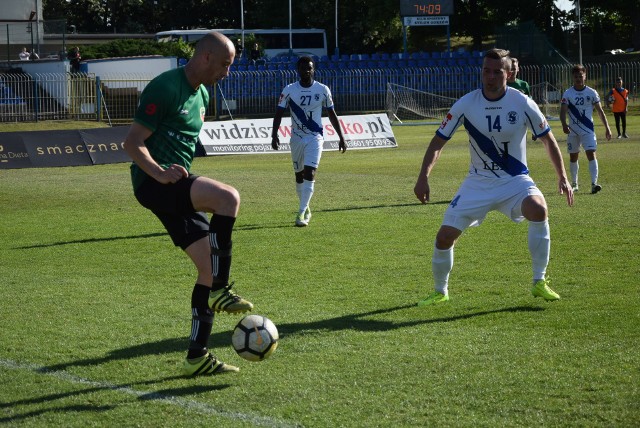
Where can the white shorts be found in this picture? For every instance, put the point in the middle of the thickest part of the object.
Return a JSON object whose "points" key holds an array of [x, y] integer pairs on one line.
{"points": [[478, 195], [307, 151], [588, 142]]}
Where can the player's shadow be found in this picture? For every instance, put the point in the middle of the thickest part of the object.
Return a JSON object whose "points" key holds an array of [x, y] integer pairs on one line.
{"points": [[92, 240], [360, 322], [245, 227], [61, 410], [187, 391]]}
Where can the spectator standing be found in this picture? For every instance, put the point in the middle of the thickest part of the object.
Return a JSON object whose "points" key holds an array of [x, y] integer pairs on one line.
{"points": [[255, 53], [24, 55], [619, 96], [578, 103], [74, 59]]}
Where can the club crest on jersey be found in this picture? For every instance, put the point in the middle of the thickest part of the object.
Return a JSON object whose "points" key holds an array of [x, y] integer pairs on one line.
{"points": [[202, 111], [317, 97], [446, 120], [512, 117]]}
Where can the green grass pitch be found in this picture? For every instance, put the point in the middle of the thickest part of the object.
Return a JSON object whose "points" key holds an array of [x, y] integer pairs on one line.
{"points": [[95, 300]]}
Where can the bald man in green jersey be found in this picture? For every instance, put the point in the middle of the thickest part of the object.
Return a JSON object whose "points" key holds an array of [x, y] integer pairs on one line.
{"points": [[162, 142]]}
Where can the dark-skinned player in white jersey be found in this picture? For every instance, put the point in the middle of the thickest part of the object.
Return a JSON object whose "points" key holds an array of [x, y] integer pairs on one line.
{"points": [[306, 99]]}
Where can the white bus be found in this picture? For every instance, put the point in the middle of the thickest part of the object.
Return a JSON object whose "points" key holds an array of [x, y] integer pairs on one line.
{"points": [[307, 41]]}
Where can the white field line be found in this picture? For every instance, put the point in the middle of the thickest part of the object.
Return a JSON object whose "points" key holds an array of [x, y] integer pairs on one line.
{"points": [[150, 395]]}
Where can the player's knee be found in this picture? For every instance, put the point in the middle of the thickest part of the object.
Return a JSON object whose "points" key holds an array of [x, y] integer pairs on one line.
{"points": [[534, 209], [309, 173], [232, 197], [446, 238]]}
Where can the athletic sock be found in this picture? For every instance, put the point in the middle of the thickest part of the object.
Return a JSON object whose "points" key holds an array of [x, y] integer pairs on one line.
{"points": [[573, 168], [539, 241], [220, 229], [299, 190], [307, 193], [441, 265], [201, 321], [593, 170]]}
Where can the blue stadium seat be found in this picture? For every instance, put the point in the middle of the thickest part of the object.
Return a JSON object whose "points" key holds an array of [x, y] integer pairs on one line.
{"points": [[375, 56]]}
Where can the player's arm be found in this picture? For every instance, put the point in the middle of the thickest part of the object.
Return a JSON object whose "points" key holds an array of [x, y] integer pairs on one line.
{"points": [[333, 118], [603, 118], [277, 119], [136, 149], [563, 118], [421, 189], [551, 146]]}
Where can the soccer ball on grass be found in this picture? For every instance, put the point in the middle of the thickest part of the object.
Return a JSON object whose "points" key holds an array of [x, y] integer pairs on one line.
{"points": [[255, 338]]}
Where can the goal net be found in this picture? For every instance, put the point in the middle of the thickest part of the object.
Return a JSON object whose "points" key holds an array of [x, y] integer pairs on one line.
{"points": [[548, 98], [410, 106]]}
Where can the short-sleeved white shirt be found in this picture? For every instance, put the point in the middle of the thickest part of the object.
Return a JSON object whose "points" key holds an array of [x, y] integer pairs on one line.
{"points": [[306, 106], [580, 105], [497, 131]]}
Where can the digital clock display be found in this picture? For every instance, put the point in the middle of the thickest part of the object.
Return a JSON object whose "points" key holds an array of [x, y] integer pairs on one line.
{"points": [[426, 8]]}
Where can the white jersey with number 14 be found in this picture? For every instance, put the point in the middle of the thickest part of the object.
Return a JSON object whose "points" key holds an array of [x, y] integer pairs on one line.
{"points": [[497, 131]]}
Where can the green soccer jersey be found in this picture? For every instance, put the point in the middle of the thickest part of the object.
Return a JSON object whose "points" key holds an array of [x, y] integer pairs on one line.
{"points": [[520, 85], [174, 111]]}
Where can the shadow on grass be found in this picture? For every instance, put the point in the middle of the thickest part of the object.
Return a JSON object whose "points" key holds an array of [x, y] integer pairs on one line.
{"points": [[241, 227], [359, 322], [63, 409], [92, 240], [162, 394]]}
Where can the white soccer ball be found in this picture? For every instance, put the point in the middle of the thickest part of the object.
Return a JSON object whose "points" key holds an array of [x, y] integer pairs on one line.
{"points": [[612, 99], [255, 338]]}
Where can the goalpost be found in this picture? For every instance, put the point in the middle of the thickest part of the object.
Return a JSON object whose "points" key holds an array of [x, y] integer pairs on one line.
{"points": [[548, 98], [408, 106]]}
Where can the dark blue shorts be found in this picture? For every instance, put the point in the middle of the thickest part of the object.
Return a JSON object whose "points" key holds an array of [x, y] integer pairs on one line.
{"points": [[171, 203]]}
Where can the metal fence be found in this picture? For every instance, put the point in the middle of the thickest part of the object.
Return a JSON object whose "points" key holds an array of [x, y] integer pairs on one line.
{"points": [[245, 94]]}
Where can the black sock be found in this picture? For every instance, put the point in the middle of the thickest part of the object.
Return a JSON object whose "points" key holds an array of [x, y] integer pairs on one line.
{"points": [[220, 229], [201, 321]]}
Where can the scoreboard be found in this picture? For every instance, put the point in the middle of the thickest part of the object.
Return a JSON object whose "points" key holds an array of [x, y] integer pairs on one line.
{"points": [[426, 7]]}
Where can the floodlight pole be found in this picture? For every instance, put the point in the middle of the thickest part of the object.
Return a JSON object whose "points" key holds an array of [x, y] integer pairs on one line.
{"points": [[290, 32], [242, 23], [337, 51], [579, 32]]}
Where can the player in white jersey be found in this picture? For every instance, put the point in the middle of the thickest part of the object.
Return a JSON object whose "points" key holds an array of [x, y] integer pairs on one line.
{"points": [[578, 102], [496, 118], [306, 99]]}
